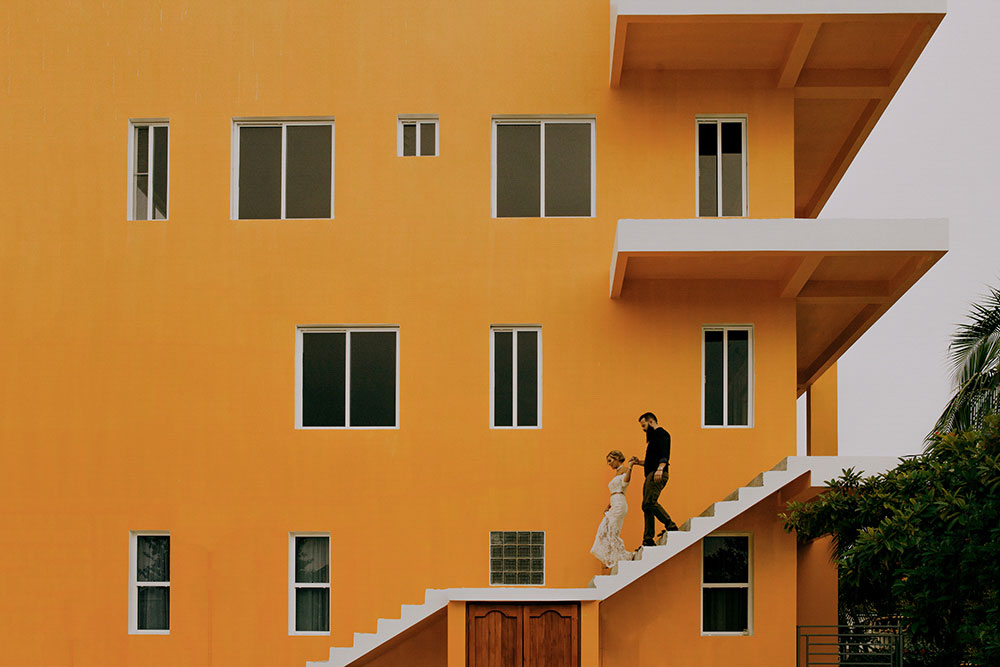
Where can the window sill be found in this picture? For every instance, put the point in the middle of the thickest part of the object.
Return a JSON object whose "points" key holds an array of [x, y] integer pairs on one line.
{"points": [[149, 632], [309, 634]]}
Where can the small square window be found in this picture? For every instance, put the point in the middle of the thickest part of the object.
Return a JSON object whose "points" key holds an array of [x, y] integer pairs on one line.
{"points": [[149, 583], [309, 584], [726, 600], [282, 169], [347, 378], [417, 136], [516, 380], [148, 170], [523, 562]]}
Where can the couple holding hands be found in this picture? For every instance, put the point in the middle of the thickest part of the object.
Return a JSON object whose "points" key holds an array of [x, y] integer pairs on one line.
{"points": [[608, 545]]}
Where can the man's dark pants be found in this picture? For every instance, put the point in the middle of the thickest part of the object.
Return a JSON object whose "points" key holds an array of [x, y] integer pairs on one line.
{"points": [[651, 508]]}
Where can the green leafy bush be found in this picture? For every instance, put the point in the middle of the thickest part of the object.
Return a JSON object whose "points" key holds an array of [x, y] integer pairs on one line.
{"points": [[921, 543]]}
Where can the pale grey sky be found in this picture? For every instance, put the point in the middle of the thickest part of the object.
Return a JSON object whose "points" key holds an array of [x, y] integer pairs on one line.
{"points": [[932, 154]]}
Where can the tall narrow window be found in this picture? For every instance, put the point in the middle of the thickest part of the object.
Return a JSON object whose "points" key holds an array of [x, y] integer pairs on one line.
{"points": [[725, 588], [517, 558], [347, 378], [722, 167], [148, 150], [543, 168], [727, 376], [283, 170], [417, 136], [309, 583], [516, 377], [149, 582]]}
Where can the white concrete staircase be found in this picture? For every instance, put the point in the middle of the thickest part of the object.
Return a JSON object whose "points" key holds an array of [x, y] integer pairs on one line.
{"points": [[821, 468]]}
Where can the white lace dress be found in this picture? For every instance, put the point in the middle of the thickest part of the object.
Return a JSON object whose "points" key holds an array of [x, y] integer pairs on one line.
{"points": [[608, 545]]}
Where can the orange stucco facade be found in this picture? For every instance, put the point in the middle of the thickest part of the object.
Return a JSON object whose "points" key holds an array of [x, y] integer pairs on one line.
{"points": [[149, 366]]}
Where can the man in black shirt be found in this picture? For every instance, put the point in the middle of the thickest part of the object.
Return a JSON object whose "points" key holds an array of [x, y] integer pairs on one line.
{"points": [[656, 466]]}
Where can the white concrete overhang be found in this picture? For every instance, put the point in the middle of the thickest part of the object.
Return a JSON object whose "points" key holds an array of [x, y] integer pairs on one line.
{"points": [[843, 274], [841, 62]]}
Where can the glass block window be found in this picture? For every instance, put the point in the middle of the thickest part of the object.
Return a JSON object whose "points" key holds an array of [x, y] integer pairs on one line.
{"points": [[725, 601], [147, 196], [417, 136], [543, 168], [727, 376], [309, 584], [149, 583], [517, 558], [347, 378], [722, 167], [515, 377], [282, 170]]}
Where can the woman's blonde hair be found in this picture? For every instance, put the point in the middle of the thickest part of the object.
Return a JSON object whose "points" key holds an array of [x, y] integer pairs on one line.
{"points": [[616, 454]]}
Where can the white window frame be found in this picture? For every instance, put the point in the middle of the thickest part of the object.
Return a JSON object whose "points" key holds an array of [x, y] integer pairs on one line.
{"points": [[134, 584], [514, 328], [725, 374], [543, 121], [283, 122], [545, 559], [347, 329], [292, 584], [133, 125], [749, 586], [718, 119], [418, 119]]}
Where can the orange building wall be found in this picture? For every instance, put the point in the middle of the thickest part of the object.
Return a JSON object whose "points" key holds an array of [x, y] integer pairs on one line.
{"points": [[822, 410], [423, 647], [657, 620], [816, 582], [149, 366]]}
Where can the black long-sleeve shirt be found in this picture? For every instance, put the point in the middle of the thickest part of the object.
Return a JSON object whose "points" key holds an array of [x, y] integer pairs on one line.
{"points": [[657, 450]]}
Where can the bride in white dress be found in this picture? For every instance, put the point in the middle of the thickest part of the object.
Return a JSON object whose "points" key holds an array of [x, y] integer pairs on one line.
{"points": [[608, 545]]}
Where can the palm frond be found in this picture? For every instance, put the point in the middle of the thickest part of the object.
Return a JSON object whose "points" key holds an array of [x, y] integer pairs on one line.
{"points": [[975, 358]]}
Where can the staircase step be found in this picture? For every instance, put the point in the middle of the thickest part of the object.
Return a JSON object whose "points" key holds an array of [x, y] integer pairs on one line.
{"points": [[782, 464], [364, 640]]}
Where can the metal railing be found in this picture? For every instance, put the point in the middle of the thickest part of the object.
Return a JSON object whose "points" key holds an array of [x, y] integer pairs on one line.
{"points": [[871, 645]]}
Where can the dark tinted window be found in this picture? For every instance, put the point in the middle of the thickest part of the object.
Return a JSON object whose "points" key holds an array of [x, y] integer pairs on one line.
{"points": [[427, 139], [732, 169], [260, 173], [725, 609], [324, 371], [373, 378], [739, 377], [713, 377], [727, 560], [409, 139], [308, 170], [527, 378], [518, 171], [503, 378], [708, 164], [160, 173], [567, 169]]}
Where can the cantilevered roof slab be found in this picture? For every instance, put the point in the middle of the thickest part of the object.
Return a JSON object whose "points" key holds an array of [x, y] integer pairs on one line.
{"points": [[841, 60], [843, 274]]}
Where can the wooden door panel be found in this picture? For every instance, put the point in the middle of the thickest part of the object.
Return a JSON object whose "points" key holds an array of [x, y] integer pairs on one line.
{"points": [[551, 635], [495, 634]]}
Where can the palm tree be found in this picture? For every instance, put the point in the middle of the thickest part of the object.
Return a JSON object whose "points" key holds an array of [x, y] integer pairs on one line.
{"points": [[975, 357]]}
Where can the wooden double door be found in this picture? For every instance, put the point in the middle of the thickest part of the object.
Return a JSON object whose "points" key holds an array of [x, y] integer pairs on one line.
{"points": [[523, 635]]}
